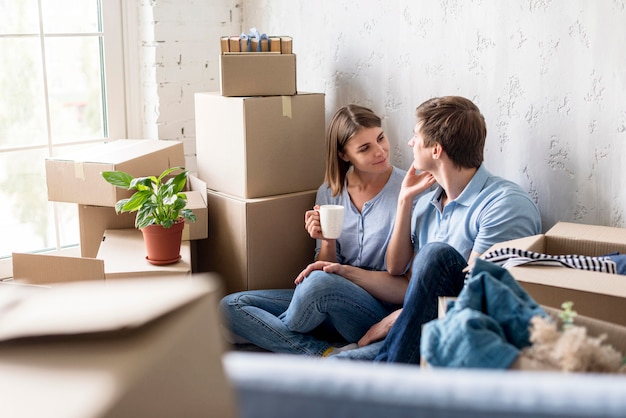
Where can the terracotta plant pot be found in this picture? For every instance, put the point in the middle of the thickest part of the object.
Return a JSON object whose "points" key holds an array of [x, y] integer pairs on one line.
{"points": [[163, 244]]}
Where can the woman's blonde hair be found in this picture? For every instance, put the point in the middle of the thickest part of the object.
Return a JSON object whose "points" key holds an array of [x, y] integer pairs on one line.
{"points": [[345, 123]]}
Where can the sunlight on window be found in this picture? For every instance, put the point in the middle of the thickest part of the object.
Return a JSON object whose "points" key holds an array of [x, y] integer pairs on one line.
{"points": [[53, 93]]}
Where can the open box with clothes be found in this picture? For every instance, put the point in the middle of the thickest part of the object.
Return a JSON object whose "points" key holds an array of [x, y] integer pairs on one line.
{"points": [[494, 323], [565, 264]]}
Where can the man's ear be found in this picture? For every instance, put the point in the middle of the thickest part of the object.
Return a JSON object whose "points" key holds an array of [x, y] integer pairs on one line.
{"points": [[437, 150]]}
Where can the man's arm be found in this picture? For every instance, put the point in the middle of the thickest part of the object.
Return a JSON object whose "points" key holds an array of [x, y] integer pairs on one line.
{"points": [[379, 284], [400, 248]]}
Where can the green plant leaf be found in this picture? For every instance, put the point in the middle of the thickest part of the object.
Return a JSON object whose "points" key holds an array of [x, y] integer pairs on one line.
{"points": [[155, 201], [143, 183], [179, 182], [145, 215], [119, 205], [137, 200], [168, 171], [188, 215], [118, 178]]}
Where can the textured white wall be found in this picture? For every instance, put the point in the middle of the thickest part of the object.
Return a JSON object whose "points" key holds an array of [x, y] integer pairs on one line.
{"points": [[549, 76], [179, 51]]}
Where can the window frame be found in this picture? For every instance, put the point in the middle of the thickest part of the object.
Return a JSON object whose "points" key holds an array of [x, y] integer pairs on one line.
{"points": [[117, 30]]}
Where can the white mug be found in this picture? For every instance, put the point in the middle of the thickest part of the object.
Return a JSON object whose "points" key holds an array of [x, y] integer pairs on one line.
{"points": [[331, 220]]}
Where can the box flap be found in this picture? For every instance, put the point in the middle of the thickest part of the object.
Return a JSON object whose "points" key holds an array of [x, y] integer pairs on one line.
{"points": [[591, 240], [45, 268], [91, 307], [115, 152], [124, 254], [568, 278], [533, 243], [197, 185]]}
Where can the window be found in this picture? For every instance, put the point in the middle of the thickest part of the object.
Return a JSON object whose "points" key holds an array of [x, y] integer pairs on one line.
{"points": [[62, 84]]}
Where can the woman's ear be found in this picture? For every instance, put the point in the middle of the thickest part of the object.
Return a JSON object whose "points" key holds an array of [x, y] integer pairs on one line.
{"points": [[343, 156]]}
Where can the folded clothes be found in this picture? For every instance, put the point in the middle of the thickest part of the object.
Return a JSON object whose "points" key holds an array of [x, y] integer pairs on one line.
{"points": [[507, 257]]}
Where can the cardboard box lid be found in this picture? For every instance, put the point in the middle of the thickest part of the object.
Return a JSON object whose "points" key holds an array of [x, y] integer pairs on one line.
{"points": [[124, 255], [114, 152], [591, 240], [45, 269], [75, 177], [69, 310], [197, 202]]}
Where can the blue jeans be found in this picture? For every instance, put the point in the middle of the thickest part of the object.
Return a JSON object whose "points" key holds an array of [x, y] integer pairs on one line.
{"points": [[289, 321], [437, 271]]}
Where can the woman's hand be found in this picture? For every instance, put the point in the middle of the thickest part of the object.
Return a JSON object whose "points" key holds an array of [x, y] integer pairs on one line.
{"points": [[312, 223], [379, 330]]}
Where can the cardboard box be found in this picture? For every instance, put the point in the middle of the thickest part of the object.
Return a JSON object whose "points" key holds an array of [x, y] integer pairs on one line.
{"points": [[136, 348], [597, 295], [94, 220], [257, 74], [260, 146], [257, 243], [75, 177], [121, 256]]}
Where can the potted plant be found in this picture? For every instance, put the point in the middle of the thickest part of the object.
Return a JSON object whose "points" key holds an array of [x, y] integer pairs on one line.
{"points": [[160, 205]]}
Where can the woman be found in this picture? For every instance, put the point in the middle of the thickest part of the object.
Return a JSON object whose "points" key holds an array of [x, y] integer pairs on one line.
{"points": [[360, 177]]}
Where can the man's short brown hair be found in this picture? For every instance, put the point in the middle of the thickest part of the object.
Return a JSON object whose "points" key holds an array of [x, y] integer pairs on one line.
{"points": [[457, 125]]}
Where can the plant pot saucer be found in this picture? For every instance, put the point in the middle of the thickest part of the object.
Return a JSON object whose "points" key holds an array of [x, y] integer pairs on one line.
{"points": [[164, 262]]}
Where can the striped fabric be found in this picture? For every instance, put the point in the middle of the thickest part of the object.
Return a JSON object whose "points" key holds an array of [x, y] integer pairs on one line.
{"points": [[510, 257]]}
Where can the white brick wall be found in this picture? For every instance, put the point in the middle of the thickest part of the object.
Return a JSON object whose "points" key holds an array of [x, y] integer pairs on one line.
{"points": [[179, 44]]}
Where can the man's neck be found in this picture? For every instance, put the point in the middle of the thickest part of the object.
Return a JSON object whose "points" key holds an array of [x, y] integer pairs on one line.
{"points": [[454, 181]]}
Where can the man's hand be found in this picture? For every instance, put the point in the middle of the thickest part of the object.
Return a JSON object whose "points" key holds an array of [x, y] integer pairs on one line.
{"points": [[379, 330], [414, 183]]}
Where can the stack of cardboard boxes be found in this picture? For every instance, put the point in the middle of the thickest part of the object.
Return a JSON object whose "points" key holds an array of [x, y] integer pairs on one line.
{"points": [[110, 245], [260, 150]]}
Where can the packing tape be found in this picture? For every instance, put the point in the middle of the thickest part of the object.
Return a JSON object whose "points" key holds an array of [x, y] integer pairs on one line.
{"points": [[79, 171], [287, 106]]}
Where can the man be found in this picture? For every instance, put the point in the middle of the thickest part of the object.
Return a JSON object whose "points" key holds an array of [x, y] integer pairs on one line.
{"points": [[467, 213]]}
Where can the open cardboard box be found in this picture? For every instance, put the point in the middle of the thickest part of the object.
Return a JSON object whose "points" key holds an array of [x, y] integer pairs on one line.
{"points": [[597, 295], [121, 256], [94, 220], [75, 177], [130, 348]]}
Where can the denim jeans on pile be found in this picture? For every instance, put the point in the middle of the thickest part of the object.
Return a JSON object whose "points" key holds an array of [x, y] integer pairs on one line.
{"points": [[486, 326], [288, 321]]}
